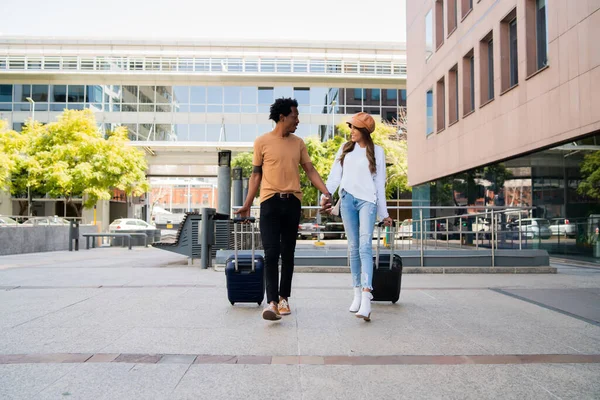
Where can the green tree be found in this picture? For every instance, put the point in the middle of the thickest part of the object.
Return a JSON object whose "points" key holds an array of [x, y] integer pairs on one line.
{"points": [[70, 158], [9, 151], [244, 161], [590, 172]]}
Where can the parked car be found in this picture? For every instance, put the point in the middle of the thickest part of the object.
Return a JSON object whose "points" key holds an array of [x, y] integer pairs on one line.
{"points": [[46, 221], [531, 228], [6, 221], [332, 227], [129, 224], [447, 230], [310, 229], [405, 230], [562, 227]]}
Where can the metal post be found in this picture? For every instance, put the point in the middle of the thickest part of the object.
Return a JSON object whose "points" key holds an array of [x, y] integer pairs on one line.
{"points": [[435, 235], [493, 230], [477, 232], [224, 182], [447, 234], [237, 187], [245, 183], [203, 235], [422, 236], [460, 232], [520, 242]]}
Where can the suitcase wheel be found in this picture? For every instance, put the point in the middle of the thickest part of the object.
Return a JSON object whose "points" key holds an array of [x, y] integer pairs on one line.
{"points": [[232, 302], [394, 301], [259, 302]]}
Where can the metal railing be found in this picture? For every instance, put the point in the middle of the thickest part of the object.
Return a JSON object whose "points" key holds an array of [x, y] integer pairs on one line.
{"points": [[491, 228], [199, 65]]}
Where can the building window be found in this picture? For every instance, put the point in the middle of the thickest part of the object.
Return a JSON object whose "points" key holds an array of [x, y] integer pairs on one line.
{"points": [[358, 94], [439, 23], [428, 35], [514, 54], [453, 94], [537, 35], [440, 105], [429, 105], [486, 68], [465, 7], [452, 16], [468, 82], [508, 51]]}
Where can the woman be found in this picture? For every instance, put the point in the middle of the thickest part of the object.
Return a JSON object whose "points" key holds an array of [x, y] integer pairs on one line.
{"points": [[359, 171]]}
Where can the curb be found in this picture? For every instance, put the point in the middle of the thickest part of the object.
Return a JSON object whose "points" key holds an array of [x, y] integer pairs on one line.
{"points": [[429, 270]]}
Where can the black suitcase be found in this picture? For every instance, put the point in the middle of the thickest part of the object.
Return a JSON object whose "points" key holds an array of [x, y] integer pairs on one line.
{"points": [[387, 276], [245, 273]]}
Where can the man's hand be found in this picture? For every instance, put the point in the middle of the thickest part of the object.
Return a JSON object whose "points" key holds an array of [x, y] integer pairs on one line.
{"points": [[387, 221], [326, 203], [243, 212]]}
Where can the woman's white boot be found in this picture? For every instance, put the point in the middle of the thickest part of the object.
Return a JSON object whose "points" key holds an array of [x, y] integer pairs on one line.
{"points": [[356, 302], [365, 306]]}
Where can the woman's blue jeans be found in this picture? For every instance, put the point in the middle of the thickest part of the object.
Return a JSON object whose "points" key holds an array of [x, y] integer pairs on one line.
{"points": [[359, 222]]}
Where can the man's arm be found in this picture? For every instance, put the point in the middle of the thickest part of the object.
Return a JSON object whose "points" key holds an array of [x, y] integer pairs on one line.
{"points": [[315, 178], [253, 185]]}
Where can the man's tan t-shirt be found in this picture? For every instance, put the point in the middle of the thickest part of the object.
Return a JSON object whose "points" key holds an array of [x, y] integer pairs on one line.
{"points": [[279, 158]]}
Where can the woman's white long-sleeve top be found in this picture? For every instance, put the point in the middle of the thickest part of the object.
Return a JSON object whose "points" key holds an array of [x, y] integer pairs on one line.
{"points": [[356, 178]]}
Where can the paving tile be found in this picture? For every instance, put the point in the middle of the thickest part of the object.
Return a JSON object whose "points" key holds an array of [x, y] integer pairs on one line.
{"points": [[285, 360], [177, 359], [138, 358], [215, 359], [102, 358], [254, 360], [312, 360]]}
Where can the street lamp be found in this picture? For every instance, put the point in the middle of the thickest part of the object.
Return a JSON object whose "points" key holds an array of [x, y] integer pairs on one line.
{"points": [[32, 102]]}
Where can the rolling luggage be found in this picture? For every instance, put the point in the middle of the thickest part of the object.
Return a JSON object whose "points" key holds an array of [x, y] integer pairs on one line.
{"points": [[245, 273], [387, 272]]}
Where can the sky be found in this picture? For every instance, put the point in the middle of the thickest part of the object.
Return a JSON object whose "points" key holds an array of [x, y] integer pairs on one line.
{"points": [[333, 20]]}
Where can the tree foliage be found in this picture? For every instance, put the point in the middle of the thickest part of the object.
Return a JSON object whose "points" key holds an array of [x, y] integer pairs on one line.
{"points": [[590, 171], [11, 144], [244, 161], [70, 158]]}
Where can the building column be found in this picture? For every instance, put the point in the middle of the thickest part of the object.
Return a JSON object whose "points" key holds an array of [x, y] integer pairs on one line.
{"points": [[5, 203], [238, 199], [224, 182], [102, 209]]}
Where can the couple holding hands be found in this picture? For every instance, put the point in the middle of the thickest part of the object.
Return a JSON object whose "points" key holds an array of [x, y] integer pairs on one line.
{"points": [[358, 174]]}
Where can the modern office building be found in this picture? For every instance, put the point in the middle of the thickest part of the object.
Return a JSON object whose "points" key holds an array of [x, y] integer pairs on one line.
{"points": [[504, 102], [183, 101]]}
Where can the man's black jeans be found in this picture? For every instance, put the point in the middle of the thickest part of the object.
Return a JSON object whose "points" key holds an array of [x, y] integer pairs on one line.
{"points": [[279, 219]]}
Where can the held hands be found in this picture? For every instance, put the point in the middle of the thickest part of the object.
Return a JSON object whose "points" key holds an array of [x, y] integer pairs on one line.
{"points": [[387, 221], [325, 204]]}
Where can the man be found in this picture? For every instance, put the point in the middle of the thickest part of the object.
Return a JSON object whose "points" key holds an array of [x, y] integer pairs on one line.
{"points": [[277, 155]]}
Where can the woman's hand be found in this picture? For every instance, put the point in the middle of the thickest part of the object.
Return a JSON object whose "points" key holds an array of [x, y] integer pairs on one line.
{"points": [[387, 221], [326, 203]]}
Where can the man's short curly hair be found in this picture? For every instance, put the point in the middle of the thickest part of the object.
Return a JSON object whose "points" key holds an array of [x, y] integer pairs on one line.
{"points": [[282, 106]]}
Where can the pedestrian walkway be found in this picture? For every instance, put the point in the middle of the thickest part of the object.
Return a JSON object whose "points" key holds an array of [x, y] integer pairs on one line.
{"points": [[141, 324]]}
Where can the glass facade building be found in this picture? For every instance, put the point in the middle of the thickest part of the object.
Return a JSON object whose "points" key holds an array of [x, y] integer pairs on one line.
{"points": [[181, 105], [547, 181]]}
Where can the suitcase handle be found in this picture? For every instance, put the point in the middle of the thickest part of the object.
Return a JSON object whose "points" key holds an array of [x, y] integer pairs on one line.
{"points": [[393, 232], [242, 220]]}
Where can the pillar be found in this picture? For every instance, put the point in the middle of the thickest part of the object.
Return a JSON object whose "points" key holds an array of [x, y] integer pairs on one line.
{"points": [[224, 182]]}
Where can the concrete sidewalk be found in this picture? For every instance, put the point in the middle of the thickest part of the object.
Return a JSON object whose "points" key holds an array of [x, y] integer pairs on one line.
{"points": [[119, 324]]}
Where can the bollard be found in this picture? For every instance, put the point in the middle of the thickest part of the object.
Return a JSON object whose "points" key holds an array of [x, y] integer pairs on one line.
{"points": [[74, 235]]}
